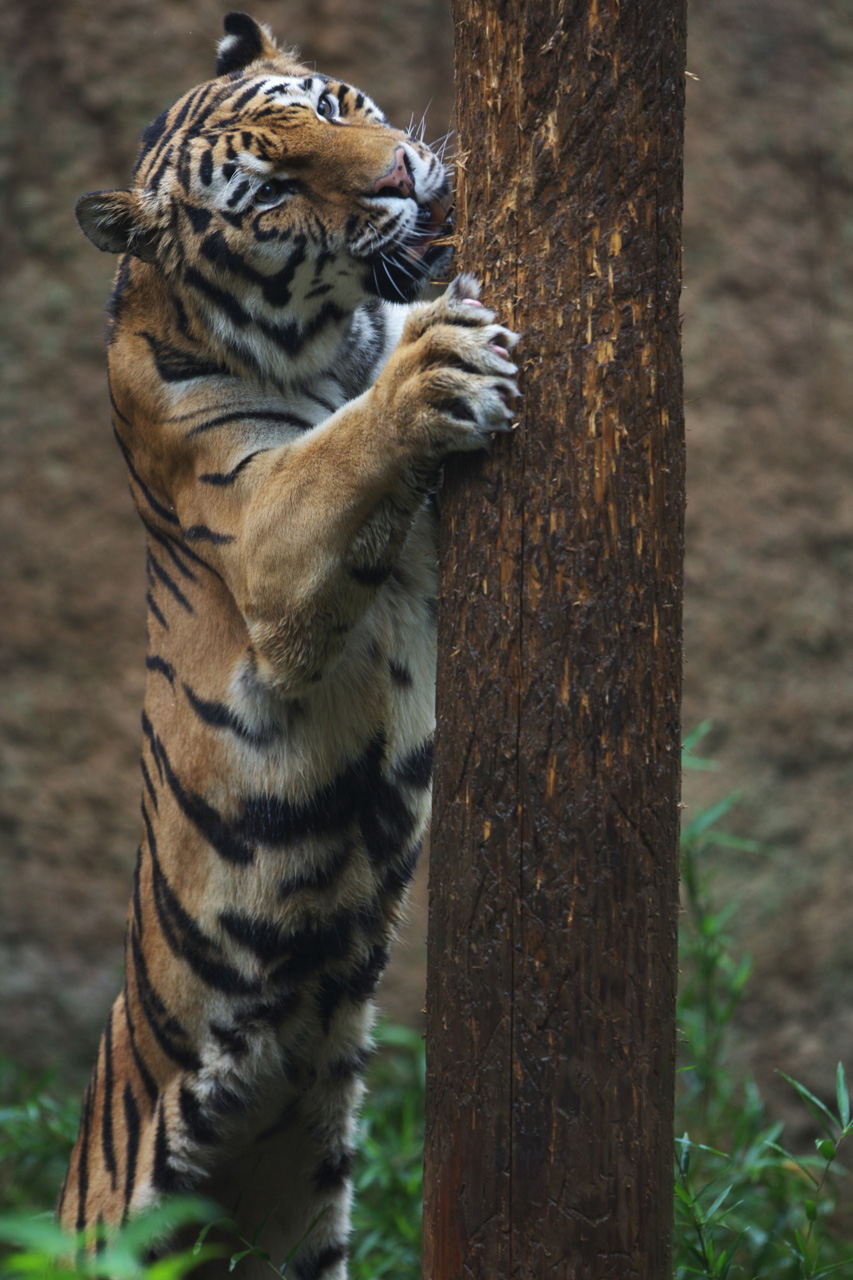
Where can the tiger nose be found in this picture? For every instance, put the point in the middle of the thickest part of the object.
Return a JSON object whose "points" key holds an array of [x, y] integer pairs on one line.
{"points": [[398, 176]]}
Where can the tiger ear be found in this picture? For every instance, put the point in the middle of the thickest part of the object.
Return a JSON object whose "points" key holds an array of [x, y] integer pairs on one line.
{"points": [[245, 41], [114, 222]]}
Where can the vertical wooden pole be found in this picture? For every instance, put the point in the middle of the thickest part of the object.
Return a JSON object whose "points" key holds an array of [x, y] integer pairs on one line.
{"points": [[553, 899]]}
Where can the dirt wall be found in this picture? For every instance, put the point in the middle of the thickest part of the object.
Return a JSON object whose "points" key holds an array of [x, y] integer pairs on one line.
{"points": [[768, 322]]}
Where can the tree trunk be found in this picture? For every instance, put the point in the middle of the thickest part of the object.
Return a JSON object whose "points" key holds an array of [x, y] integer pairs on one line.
{"points": [[553, 897]]}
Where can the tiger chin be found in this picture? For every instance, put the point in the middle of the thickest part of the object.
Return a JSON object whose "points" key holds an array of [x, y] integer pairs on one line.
{"points": [[283, 404]]}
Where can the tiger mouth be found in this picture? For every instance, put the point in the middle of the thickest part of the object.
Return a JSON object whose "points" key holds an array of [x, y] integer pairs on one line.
{"points": [[402, 266], [432, 233]]}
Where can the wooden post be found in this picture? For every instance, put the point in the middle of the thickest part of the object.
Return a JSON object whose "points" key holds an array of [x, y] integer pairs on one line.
{"points": [[553, 898]]}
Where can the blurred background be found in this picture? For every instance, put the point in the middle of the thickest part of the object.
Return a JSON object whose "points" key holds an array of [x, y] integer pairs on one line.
{"points": [[768, 332]]}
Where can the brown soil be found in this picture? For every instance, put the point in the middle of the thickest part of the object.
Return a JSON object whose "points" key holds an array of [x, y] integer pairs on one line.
{"points": [[768, 322]]}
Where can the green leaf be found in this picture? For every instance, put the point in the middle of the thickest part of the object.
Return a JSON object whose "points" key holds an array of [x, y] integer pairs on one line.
{"points": [[699, 763], [177, 1265], [252, 1252], [842, 1096], [820, 1112], [826, 1149], [782, 1152], [708, 817], [719, 1200], [696, 735]]}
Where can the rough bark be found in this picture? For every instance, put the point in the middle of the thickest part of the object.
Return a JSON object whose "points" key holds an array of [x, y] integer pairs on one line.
{"points": [[553, 898]]}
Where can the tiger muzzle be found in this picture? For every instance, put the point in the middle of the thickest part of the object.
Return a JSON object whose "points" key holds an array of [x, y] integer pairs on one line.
{"points": [[398, 181]]}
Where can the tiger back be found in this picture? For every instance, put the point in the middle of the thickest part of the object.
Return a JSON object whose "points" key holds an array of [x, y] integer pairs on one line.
{"points": [[283, 405]]}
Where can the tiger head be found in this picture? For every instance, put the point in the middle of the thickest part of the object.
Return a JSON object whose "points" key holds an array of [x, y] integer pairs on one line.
{"points": [[274, 191]]}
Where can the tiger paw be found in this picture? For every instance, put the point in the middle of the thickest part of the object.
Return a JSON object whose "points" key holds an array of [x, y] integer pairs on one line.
{"points": [[453, 373]]}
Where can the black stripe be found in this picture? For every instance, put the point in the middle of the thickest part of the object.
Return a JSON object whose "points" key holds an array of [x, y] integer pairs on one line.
{"points": [[153, 181], [152, 605], [221, 298], [319, 877], [176, 554], [236, 196], [132, 1130], [370, 575], [198, 218], [167, 1030], [400, 874], [232, 1041], [144, 1074], [83, 1159], [217, 832], [272, 1012], [349, 1068], [218, 716], [116, 307], [174, 364], [305, 949], [416, 768], [178, 551], [323, 402], [400, 674], [237, 104], [356, 985], [153, 132], [386, 823], [290, 335], [275, 287], [118, 413], [201, 533], [153, 742], [107, 1107], [334, 1171], [137, 870], [263, 938], [186, 940], [276, 821], [205, 168], [153, 662], [228, 477], [189, 105], [169, 583], [157, 507], [166, 130], [197, 1123], [359, 792], [250, 415], [60, 1203], [216, 95], [315, 1265], [163, 1176]]}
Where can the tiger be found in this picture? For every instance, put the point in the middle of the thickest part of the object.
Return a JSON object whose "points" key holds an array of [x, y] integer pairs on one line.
{"points": [[284, 401]]}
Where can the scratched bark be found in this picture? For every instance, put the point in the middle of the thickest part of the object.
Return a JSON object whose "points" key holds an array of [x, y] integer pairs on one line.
{"points": [[552, 953]]}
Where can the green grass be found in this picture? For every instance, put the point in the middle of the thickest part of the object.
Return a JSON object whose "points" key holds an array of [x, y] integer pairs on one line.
{"points": [[745, 1207], [38, 1124]]}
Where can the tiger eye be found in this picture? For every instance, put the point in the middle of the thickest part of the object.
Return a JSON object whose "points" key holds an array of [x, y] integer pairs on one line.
{"points": [[327, 106]]}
